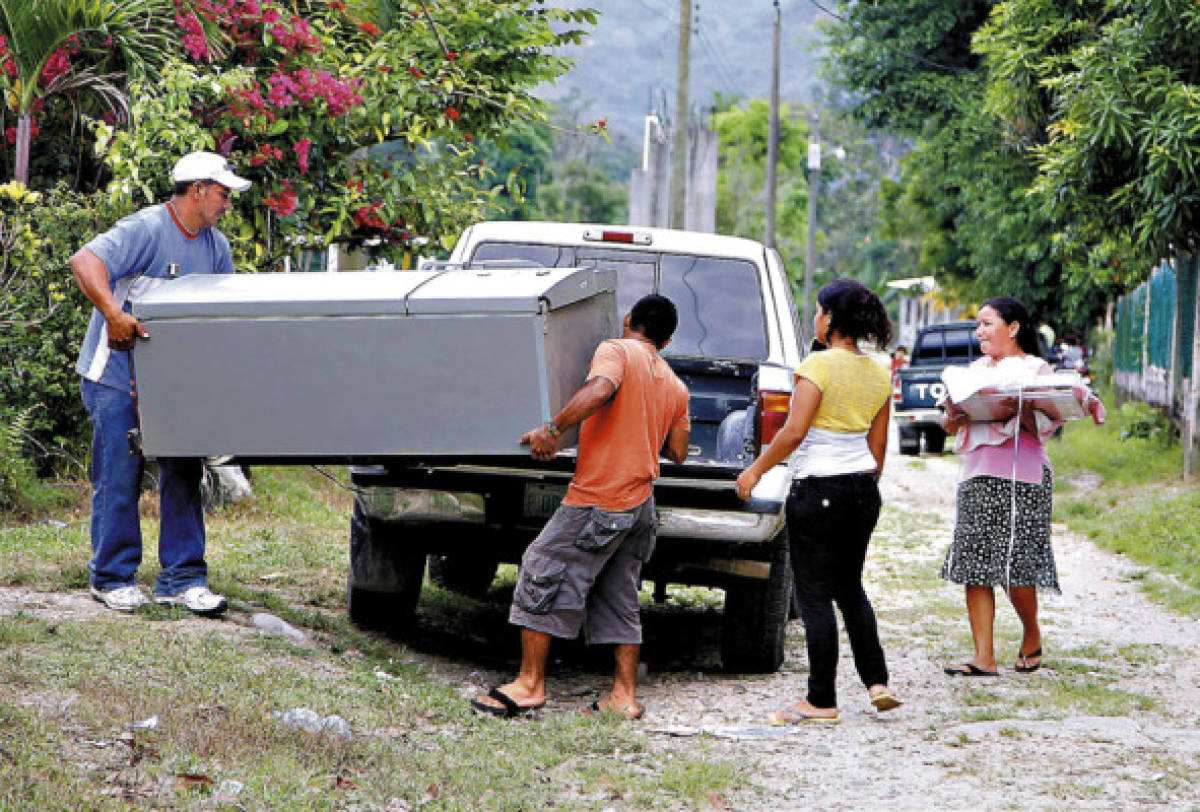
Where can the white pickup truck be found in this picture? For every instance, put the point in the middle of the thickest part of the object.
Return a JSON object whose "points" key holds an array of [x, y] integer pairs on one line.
{"points": [[735, 348]]}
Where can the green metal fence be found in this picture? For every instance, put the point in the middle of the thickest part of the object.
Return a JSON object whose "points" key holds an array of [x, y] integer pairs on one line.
{"points": [[1154, 352], [1185, 324]]}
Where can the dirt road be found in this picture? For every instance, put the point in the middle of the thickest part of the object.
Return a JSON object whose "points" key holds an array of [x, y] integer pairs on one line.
{"points": [[1112, 720]]}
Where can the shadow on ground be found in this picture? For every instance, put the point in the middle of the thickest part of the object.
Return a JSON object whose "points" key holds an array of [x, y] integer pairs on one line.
{"points": [[477, 632]]}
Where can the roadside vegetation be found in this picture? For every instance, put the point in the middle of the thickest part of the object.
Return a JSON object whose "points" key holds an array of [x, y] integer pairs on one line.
{"points": [[75, 684], [1121, 485]]}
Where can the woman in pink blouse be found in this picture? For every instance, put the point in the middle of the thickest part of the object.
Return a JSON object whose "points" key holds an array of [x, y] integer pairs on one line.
{"points": [[1005, 479]]}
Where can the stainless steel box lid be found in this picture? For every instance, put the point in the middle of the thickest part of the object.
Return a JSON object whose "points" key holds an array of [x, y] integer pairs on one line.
{"points": [[508, 290], [275, 294], [360, 293]]}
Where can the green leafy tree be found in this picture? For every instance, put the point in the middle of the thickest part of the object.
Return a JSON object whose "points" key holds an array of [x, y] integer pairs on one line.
{"points": [[1104, 94], [43, 314], [962, 203], [908, 62], [578, 192], [556, 171], [850, 190]]}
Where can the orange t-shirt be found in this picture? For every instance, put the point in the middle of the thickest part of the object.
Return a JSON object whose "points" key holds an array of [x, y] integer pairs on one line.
{"points": [[619, 444]]}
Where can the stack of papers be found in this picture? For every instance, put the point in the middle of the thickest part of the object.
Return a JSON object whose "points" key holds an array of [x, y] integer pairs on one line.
{"points": [[992, 393]]}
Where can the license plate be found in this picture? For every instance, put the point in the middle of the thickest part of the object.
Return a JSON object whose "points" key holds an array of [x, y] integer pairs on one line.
{"points": [[542, 500]]}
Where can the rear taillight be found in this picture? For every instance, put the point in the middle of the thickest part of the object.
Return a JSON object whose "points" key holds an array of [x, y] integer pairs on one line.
{"points": [[897, 396], [772, 414]]}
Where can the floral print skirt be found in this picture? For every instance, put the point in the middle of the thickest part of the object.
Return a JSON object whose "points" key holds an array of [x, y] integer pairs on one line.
{"points": [[984, 551]]}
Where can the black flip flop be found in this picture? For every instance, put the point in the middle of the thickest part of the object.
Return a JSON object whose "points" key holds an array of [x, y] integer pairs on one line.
{"points": [[968, 670], [1023, 665], [510, 710]]}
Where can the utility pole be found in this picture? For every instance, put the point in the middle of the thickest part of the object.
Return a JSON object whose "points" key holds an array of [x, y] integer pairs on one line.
{"points": [[679, 144], [773, 133], [814, 188]]}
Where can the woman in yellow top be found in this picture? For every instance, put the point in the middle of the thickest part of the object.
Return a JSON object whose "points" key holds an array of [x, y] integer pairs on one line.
{"points": [[837, 426]]}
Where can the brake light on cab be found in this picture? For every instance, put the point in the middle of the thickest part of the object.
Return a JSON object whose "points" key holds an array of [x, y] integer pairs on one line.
{"points": [[771, 415], [616, 235]]}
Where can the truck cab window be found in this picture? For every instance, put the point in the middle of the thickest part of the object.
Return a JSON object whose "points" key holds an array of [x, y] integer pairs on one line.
{"points": [[719, 300], [635, 273], [549, 256], [961, 345], [720, 307], [929, 349]]}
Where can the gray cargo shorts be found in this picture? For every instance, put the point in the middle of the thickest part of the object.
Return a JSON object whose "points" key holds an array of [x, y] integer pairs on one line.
{"points": [[586, 564]]}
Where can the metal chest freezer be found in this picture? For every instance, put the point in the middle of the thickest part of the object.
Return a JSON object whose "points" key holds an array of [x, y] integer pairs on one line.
{"points": [[363, 366]]}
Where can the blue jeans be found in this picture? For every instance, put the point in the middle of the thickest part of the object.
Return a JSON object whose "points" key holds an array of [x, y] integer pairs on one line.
{"points": [[830, 520], [116, 479]]}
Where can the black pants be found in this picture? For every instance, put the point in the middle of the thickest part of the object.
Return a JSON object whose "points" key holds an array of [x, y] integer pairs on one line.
{"points": [[830, 520]]}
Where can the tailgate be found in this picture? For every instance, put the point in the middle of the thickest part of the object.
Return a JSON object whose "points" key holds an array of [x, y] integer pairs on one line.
{"points": [[921, 387]]}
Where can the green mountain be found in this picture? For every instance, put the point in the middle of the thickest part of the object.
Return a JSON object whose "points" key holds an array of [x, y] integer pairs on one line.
{"points": [[627, 67]]}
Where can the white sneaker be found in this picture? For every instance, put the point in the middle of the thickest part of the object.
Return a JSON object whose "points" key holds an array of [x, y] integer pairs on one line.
{"points": [[121, 599], [199, 600]]}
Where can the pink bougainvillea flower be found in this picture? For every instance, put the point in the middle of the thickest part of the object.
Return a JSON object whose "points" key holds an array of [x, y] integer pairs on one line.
{"points": [[284, 202], [193, 37], [302, 147]]}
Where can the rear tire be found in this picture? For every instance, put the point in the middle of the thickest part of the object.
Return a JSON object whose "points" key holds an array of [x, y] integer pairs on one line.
{"points": [[756, 616], [935, 441], [385, 577], [910, 441], [463, 574]]}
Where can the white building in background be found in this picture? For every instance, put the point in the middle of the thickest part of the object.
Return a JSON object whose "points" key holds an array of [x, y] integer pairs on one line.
{"points": [[919, 306], [650, 186]]}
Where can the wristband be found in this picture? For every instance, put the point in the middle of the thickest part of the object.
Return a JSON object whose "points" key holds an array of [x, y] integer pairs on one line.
{"points": [[550, 426]]}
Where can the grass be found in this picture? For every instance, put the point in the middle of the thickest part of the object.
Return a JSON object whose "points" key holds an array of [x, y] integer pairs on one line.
{"points": [[1078, 681], [1141, 508], [71, 687]]}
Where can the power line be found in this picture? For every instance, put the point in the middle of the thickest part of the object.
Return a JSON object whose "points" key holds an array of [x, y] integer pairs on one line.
{"points": [[713, 59], [717, 52], [711, 53], [888, 45]]}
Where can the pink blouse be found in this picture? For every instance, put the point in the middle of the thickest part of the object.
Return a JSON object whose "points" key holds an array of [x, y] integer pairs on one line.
{"points": [[987, 449]]}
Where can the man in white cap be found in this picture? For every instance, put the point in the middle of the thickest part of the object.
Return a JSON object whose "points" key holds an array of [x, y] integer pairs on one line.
{"points": [[141, 251]]}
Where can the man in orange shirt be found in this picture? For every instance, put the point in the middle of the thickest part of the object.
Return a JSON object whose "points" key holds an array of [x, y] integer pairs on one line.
{"points": [[585, 566]]}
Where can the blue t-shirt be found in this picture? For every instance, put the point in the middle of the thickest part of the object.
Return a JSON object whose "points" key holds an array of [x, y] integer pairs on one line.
{"points": [[136, 252]]}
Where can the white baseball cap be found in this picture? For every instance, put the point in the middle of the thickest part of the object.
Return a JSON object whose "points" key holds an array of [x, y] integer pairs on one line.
{"points": [[207, 166]]}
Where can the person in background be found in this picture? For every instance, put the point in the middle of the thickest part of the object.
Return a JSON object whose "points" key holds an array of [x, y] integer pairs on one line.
{"points": [[838, 427], [1005, 480], [899, 359], [1047, 332], [139, 252], [584, 568]]}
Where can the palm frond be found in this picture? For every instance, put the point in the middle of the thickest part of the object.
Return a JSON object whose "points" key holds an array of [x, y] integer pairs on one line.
{"points": [[140, 29], [108, 86]]}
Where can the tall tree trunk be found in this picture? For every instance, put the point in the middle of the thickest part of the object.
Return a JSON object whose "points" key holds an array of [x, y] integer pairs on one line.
{"points": [[24, 135]]}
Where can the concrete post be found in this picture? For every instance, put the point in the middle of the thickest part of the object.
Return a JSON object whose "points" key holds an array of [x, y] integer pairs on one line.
{"points": [[702, 178]]}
